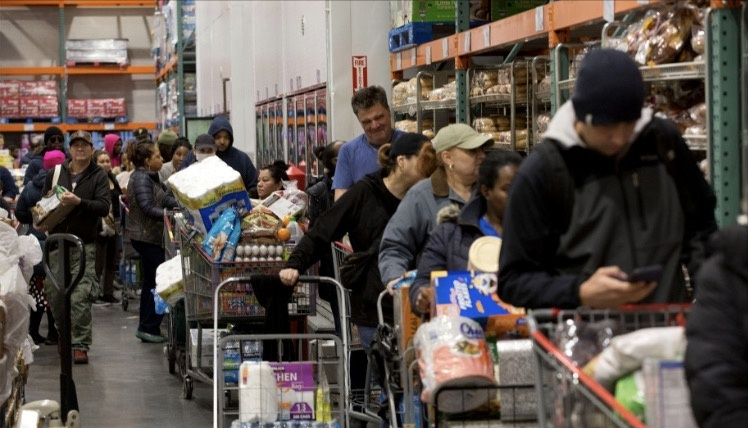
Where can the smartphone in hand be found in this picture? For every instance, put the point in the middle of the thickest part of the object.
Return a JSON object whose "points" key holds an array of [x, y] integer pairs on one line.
{"points": [[646, 274]]}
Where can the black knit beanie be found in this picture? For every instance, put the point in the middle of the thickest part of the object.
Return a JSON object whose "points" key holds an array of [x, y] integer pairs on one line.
{"points": [[52, 131], [609, 88]]}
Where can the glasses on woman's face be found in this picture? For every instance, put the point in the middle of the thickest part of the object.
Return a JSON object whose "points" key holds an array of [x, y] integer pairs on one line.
{"points": [[56, 139]]}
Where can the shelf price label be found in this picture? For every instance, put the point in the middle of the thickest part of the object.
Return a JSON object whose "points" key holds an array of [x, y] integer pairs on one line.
{"points": [[445, 49], [28, 127], [539, 18], [609, 10], [108, 126], [428, 55], [413, 56], [467, 41], [486, 36], [399, 61]]}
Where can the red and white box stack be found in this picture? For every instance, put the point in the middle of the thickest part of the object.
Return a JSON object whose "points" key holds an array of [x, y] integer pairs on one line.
{"points": [[78, 108], [28, 99]]}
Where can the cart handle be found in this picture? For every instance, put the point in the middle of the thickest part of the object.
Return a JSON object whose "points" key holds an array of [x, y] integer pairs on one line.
{"points": [[63, 242]]}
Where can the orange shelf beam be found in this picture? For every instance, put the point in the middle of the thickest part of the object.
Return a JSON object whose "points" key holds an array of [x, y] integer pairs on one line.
{"points": [[131, 69], [420, 55], [31, 71], [502, 33], [167, 69], [69, 127], [79, 3], [571, 13]]}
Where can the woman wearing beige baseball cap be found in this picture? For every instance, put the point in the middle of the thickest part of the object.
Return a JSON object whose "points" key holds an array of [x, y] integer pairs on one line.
{"points": [[457, 153]]}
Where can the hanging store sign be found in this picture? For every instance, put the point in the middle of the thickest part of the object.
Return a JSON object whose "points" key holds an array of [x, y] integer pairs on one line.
{"points": [[360, 73]]}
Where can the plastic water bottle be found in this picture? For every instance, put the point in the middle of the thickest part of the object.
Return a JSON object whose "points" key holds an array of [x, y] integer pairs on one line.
{"points": [[296, 235]]}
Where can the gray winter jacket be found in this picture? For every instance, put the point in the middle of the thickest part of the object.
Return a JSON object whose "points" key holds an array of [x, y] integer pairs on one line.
{"points": [[413, 222]]}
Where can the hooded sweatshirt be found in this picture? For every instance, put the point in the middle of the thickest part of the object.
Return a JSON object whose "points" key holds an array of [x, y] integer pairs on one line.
{"points": [[234, 157], [626, 212], [109, 141], [717, 353]]}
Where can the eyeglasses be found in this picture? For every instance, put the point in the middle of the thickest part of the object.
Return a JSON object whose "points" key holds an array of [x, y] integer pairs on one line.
{"points": [[56, 138]]}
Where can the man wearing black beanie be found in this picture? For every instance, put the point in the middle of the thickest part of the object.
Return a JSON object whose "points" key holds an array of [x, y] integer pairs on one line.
{"points": [[610, 190], [54, 139]]}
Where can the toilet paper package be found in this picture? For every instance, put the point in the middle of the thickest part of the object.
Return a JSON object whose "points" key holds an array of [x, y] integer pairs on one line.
{"points": [[452, 351], [258, 392], [169, 281], [295, 390], [206, 189]]}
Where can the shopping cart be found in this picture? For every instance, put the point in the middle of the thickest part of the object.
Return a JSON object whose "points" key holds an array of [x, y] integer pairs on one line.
{"points": [[238, 303], [305, 353], [175, 320], [567, 397], [363, 404], [130, 267]]}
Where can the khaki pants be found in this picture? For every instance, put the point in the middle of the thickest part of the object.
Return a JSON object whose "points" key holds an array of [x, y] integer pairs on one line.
{"points": [[83, 296]]}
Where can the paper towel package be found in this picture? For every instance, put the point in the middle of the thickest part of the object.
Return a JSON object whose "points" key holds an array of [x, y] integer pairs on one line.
{"points": [[473, 295], [295, 390], [258, 393], [206, 189]]}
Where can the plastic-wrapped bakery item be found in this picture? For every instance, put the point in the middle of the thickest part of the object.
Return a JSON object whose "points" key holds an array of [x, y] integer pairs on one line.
{"points": [[483, 80], [427, 84], [429, 133], [671, 35], [544, 85], [484, 124], [639, 33], [543, 120], [698, 113], [493, 90], [698, 38], [695, 130], [406, 125], [399, 93]]}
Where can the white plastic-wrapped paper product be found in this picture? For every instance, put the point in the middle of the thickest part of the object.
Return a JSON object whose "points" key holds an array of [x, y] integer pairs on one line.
{"points": [[169, 280], [206, 189], [452, 351], [258, 392], [18, 255]]}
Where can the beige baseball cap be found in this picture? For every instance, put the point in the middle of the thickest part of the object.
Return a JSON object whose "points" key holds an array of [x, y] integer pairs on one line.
{"points": [[459, 135], [484, 254]]}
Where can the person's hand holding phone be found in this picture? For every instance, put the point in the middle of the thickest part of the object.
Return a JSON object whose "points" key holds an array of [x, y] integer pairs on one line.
{"points": [[609, 287]]}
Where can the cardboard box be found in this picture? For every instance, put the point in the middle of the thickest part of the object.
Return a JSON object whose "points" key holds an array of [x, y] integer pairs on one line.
{"points": [[46, 88], [77, 108], [501, 8], [473, 295], [207, 348], [10, 107], [408, 323], [27, 89], [115, 107], [96, 108], [48, 106], [9, 88], [296, 390], [406, 11], [29, 106]]}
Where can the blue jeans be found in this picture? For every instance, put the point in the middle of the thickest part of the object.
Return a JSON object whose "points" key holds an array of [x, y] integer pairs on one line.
{"points": [[366, 334]]}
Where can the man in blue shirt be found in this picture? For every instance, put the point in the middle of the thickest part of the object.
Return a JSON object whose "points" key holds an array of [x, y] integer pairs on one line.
{"points": [[359, 156]]}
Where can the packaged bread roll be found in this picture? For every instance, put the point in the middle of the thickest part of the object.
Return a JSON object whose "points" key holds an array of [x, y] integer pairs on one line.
{"points": [[482, 124]]}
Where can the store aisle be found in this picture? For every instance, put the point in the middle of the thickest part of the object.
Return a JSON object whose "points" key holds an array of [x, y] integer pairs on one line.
{"points": [[126, 383]]}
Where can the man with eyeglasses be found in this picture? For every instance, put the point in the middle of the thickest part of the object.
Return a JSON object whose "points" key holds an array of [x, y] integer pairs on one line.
{"points": [[54, 139], [87, 189]]}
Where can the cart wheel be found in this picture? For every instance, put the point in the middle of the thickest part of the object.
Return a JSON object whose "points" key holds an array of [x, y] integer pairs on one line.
{"points": [[187, 388], [124, 304]]}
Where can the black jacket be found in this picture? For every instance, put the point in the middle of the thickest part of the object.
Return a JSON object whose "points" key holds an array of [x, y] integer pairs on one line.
{"points": [[717, 331], [147, 199], [449, 245], [35, 165], [31, 194], [10, 190], [625, 212], [321, 197], [362, 212], [93, 190]]}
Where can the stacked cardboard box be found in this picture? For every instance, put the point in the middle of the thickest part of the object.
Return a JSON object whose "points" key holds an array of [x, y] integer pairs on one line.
{"points": [[22, 99], [97, 108]]}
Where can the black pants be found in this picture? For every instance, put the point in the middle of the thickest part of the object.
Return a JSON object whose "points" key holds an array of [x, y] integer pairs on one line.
{"points": [[106, 262], [151, 256]]}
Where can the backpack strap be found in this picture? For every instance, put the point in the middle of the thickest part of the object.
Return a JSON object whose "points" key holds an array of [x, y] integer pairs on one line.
{"points": [[560, 183]]}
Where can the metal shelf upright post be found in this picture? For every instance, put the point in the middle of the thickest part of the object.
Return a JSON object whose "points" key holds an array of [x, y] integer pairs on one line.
{"points": [[723, 77], [462, 23]]}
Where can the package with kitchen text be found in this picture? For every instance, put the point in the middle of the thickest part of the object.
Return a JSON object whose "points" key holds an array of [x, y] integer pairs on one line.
{"points": [[472, 294], [295, 390]]}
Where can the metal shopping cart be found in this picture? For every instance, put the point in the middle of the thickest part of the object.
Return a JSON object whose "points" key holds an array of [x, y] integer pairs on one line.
{"points": [[129, 267], [567, 397], [303, 357], [238, 304], [175, 318], [363, 405]]}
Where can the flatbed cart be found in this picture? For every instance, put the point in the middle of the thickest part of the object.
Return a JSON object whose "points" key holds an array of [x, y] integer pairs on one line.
{"points": [[238, 303], [567, 397], [300, 355], [66, 412]]}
